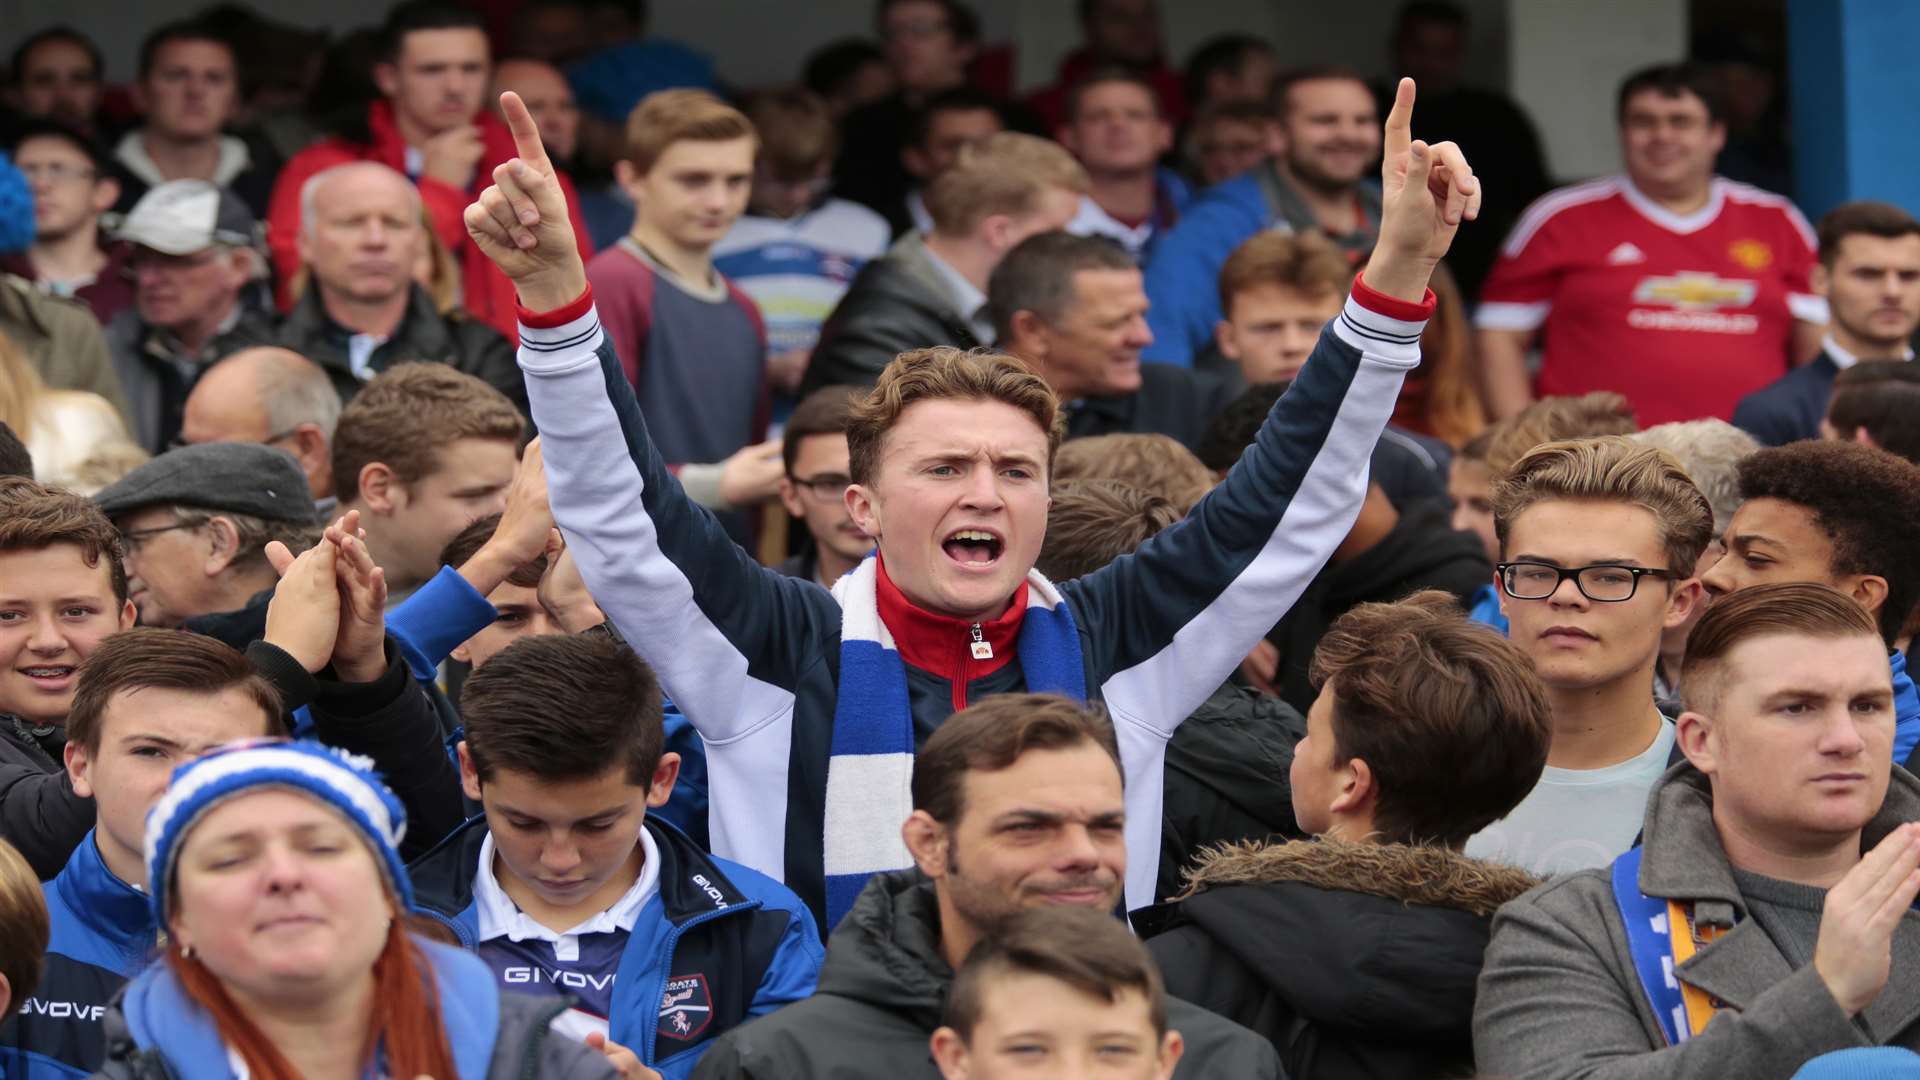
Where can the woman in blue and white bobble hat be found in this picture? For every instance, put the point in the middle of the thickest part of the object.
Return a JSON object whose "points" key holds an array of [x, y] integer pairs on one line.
{"points": [[275, 871]]}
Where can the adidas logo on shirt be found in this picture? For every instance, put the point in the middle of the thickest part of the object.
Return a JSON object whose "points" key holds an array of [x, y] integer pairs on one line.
{"points": [[1625, 254]]}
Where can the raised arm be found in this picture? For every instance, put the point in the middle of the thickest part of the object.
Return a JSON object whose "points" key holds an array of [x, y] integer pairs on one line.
{"points": [[726, 636]]}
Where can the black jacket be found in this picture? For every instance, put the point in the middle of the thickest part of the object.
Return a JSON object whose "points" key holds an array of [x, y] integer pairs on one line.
{"points": [[1227, 779], [880, 998], [390, 720], [39, 812], [1422, 552], [1173, 401], [1356, 960], [895, 303], [423, 334]]}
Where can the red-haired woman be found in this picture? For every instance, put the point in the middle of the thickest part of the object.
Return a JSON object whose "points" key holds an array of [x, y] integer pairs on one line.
{"points": [[275, 872]]}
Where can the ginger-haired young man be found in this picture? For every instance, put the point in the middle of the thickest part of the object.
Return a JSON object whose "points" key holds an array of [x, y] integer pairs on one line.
{"points": [[1277, 291], [797, 248], [949, 460]]}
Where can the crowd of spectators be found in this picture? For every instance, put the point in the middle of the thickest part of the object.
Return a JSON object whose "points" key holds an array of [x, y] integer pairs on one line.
{"points": [[518, 559]]}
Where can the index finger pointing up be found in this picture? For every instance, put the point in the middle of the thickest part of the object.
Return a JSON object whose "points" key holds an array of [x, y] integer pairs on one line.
{"points": [[1399, 133], [526, 133]]}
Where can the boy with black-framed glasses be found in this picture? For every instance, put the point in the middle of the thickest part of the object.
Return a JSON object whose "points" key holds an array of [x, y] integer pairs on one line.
{"points": [[1598, 542]]}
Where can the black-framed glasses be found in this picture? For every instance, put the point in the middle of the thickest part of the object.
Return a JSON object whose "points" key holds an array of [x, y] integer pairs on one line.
{"points": [[130, 539], [824, 486], [1603, 584]]}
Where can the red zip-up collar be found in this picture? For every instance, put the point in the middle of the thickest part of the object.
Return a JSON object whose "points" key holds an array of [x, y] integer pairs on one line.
{"points": [[943, 645]]}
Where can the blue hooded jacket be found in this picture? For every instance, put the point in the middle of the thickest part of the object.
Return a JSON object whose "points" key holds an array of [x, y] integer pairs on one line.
{"points": [[103, 933], [743, 941]]}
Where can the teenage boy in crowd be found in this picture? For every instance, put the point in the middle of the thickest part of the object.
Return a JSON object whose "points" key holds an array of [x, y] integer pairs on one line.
{"points": [[1277, 291], [1599, 539], [694, 346], [796, 249], [949, 462], [63, 590], [427, 123], [1489, 455], [1017, 805], [1838, 514], [813, 448], [421, 451], [1767, 917], [1427, 728], [1869, 274], [1057, 989], [567, 883]]}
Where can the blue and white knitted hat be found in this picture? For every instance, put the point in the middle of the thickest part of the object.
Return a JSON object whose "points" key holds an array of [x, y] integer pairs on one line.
{"points": [[343, 781]]}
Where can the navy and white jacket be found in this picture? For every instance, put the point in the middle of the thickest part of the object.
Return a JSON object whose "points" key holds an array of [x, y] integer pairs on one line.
{"points": [[103, 934], [716, 946], [752, 656]]}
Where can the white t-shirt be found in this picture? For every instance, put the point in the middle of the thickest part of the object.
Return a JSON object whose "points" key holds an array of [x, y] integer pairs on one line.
{"points": [[1577, 819]]}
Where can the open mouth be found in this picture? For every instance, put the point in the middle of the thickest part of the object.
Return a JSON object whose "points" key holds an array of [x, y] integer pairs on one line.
{"points": [[973, 547]]}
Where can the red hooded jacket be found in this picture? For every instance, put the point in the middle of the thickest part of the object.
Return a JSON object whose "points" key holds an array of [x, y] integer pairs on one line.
{"points": [[489, 296]]}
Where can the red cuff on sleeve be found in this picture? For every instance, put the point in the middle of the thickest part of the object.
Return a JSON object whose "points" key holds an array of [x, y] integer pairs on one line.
{"points": [[1380, 303], [545, 320]]}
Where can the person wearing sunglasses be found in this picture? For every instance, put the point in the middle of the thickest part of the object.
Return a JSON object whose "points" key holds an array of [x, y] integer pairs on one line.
{"points": [[1598, 542]]}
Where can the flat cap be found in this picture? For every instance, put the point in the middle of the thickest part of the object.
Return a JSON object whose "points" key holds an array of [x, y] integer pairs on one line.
{"points": [[240, 478]]}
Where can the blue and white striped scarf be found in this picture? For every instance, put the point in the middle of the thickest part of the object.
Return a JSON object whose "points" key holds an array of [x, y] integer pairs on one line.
{"points": [[870, 775]]}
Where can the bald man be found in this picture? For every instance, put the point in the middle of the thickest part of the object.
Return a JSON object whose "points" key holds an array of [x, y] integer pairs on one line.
{"points": [[548, 97], [274, 397], [361, 311]]}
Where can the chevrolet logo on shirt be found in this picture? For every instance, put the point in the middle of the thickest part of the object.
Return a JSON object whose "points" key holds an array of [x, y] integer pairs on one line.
{"points": [[1695, 291]]}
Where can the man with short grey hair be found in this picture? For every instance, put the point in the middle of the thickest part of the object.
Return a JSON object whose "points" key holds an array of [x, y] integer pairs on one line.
{"points": [[194, 264], [1075, 307], [361, 310], [195, 522], [274, 397]]}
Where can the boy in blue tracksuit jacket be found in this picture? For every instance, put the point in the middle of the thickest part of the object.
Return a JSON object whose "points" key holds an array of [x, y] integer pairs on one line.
{"points": [[566, 884], [755, 658]]}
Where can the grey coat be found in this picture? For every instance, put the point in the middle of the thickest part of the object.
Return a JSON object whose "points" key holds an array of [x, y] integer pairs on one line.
{"points": [[1560, 998]]}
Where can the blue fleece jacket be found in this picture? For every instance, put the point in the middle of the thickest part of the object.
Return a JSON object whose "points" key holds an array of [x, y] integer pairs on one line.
{"points": [[1184, 272]]}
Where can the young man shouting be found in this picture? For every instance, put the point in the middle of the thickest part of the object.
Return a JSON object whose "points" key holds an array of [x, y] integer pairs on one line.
{"points": [[814, 702]]}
